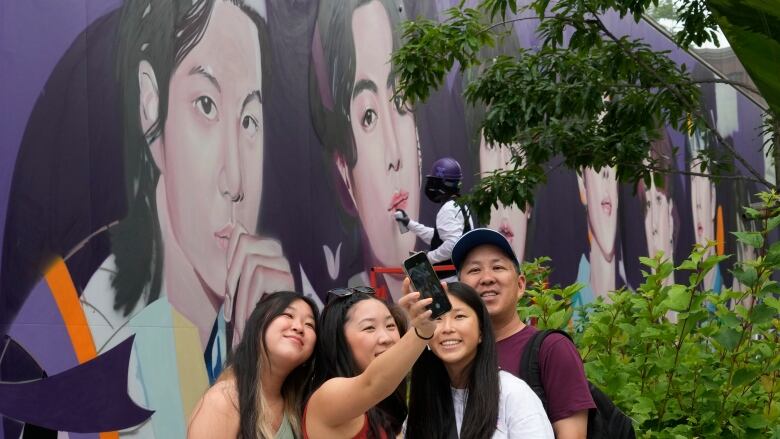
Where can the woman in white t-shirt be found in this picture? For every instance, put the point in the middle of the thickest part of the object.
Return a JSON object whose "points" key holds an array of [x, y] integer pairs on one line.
{"points": [[457, 389]]}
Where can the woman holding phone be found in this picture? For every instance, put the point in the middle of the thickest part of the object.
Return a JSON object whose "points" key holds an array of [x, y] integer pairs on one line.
{"points": [[362, 360], [463, 358]]}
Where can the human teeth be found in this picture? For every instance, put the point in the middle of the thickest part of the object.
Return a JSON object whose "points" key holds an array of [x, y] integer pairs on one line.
{"points": [[450, 342], [489, 293]]}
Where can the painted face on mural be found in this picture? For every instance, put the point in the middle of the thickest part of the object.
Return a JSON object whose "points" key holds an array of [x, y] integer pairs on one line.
{"points": [[386, 176], [601, 198], [703, 208], [659, 222], [509, 221], [212, 147]]}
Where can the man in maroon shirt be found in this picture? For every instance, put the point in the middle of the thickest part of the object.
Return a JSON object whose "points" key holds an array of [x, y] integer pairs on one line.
{"points": [[484, 260]]}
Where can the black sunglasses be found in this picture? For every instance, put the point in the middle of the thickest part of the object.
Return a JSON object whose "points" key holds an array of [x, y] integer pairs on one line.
{"points": [[338, 293]]}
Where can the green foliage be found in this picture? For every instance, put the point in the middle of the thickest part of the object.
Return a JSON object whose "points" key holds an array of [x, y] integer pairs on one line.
{"points": [[585, 98], [753, 30], [664, 9], [680, 360]]}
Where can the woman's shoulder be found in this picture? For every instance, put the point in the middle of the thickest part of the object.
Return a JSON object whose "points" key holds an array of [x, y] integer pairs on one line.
{"points": [[216, 414], [513, 387], [220, 400]]}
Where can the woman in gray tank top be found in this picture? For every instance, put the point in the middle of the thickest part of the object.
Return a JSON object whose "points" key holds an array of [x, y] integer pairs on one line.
{"points": [[260, 393]]}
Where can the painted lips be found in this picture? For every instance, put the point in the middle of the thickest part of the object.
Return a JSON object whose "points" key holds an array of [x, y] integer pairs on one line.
{"points": [[606, 206], [223, 236], [398, 201], [506, 230]]}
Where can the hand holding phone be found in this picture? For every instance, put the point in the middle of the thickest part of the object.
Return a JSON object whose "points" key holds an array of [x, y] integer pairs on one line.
{"points": [[425, 280]]}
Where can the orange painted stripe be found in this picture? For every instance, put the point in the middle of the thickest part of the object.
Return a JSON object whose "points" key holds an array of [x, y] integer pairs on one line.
{"points": [[67, 299], [64, 292]]}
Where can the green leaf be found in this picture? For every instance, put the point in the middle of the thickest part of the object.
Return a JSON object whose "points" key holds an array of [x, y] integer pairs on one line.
{"points": [[744, 375], [773, 223], [774, 303], [753, 239], [762, 313], [728, 338], [746, 275], [756, 421], [679, 298]]}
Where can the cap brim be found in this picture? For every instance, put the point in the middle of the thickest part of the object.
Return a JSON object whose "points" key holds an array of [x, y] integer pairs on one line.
{"points": [[476, 238]]}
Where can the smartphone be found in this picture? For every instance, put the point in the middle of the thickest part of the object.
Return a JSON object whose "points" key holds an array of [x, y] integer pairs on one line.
{"points": [[425, 280]]}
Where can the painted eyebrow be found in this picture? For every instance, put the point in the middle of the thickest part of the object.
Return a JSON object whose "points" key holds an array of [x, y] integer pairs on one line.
{"points": [[205, 72], [364, 84], [253, 95]]}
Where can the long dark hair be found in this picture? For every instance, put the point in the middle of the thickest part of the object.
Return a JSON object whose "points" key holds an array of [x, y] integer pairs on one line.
{"points": [[251, 355], [335, 359], [431, 413], [163, 34]]}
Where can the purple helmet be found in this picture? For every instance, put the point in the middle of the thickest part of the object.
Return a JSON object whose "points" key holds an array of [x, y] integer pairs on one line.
{"points": [[446, 168]]}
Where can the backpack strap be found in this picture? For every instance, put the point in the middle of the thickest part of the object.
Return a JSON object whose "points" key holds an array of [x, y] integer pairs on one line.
{"points": [[466, 218], [530, 370]]}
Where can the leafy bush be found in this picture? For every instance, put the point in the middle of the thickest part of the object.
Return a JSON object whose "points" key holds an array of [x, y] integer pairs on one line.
{"points": [[680, 360]]}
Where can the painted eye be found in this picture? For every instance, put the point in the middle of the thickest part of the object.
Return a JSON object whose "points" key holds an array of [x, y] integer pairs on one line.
{"points": [[250, 125], [401, 105], [207, 107], [369, 118]]}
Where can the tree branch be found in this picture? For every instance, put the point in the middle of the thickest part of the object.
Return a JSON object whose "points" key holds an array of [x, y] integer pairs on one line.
{"points": [[694, 174], [760, 178], [727, 81]]}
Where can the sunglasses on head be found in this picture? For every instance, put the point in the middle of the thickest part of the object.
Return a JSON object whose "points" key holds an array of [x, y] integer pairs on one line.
{"points": [[338, 293]]}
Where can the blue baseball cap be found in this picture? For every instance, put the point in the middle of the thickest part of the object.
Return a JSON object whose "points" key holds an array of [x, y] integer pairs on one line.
{"points": [[478, 237]]}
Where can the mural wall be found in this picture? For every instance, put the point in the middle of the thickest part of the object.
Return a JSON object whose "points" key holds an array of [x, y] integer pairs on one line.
{"points": [[166, 163]]}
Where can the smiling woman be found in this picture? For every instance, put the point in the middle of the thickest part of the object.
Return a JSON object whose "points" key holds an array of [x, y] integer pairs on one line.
{"points": [[444, 401], [261, 392], [363, 352]]}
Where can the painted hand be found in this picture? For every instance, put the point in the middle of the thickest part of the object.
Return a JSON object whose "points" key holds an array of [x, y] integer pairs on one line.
{"points": [[256, 266]]}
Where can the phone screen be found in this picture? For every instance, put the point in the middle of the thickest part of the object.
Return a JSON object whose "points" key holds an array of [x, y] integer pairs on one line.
{"points": [[425, 280]]}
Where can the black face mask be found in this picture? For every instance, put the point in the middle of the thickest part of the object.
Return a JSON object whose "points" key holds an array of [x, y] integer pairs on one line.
{"points": [[439, 191], [435, 195]]}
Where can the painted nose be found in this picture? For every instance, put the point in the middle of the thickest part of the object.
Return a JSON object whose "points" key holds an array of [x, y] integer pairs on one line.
{"points": [[230, 175], [392, 148]]}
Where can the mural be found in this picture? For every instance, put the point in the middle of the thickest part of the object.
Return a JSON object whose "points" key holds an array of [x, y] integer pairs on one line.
{"points": [[166, 163]]}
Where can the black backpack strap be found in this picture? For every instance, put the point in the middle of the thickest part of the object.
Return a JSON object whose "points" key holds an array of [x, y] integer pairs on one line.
{"points": [[530, 370], [466, 218]]}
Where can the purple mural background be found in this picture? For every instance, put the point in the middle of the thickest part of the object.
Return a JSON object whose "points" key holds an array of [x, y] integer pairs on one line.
{"points": [[58, 90]]}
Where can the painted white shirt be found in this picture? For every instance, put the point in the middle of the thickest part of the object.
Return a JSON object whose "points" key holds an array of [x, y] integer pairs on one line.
{"points": [[520, 412]]}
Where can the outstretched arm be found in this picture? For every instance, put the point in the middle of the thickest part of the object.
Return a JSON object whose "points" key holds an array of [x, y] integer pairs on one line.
{"points": [[340, 402]]}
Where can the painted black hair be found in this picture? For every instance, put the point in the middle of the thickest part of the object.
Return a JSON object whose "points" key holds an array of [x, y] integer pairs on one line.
{"points": [[163, 34], [332, 72], [334, 359], [431, 413]]}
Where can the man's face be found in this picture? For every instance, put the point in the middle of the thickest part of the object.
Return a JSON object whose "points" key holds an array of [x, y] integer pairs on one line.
{"points": [[492, 273]]}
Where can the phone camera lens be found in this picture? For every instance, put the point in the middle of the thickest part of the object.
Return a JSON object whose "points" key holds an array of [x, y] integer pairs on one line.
{"points": [[437, 305]]}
